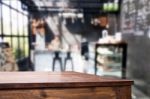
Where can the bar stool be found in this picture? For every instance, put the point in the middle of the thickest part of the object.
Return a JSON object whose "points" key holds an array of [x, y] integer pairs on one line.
{"points": [[57, 58], [67, 59]]}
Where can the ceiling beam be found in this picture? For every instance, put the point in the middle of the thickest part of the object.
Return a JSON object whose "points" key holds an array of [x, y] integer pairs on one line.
{"points": [[68, 5]]}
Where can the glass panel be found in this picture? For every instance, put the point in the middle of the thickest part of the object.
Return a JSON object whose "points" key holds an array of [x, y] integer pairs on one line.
{"points": [[25, 12], [25, 25], [15, 47], [24, 8], [0, 27], [6, 20], [0, 20], [22, 47], [19, 5], [14, 3], [8, 40], [26, 47], [6, 1], [14, 22], [20, 23], [109, 61]]}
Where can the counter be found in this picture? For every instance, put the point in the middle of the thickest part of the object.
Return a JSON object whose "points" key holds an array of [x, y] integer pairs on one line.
{"points": [[61, 85]]}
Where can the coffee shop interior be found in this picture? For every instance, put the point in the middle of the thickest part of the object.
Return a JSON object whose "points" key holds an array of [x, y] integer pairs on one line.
{"points": [[107, 38]]}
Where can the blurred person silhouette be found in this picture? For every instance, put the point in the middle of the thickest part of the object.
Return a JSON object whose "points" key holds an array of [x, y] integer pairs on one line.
{"points": [[55, 44], [39, 35], [85, 49]]}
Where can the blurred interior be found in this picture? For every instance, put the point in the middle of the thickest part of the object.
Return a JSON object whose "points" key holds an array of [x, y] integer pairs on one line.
{"points": [[108, 38]]}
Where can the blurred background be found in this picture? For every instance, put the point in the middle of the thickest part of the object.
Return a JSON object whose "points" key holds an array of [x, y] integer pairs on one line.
{"points": [[108, 38]]}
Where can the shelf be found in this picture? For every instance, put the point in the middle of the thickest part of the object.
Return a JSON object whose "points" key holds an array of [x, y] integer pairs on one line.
{"points": [[114, 65], [111, 57]]}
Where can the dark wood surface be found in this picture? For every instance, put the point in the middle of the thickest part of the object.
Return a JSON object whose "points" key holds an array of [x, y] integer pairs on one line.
{"points": [[69, 93], [61, 85], [9, 80]]}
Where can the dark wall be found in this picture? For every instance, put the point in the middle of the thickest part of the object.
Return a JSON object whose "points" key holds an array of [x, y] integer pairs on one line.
{"points": [[136, 31]]}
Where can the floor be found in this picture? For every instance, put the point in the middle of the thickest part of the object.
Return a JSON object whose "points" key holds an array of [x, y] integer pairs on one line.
{"points": [[137, 94], [80, 65]]}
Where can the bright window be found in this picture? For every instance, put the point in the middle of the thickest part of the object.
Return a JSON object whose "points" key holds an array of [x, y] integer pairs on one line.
{"points": [[15, 27], [6, 20], [14, 21]]}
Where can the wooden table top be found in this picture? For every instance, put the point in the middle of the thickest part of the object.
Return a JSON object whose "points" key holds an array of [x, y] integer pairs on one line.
{"points": [[10, 80]]}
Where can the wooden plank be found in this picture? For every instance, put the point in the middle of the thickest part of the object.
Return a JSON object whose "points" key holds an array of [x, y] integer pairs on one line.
{"points": [[60, 93], [123, 92], [55, 79], [61, 85]]}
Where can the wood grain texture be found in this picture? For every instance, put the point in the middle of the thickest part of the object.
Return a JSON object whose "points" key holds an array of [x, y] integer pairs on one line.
{"points": [[123, 92], [67, 93], [62, 85], [55, 79]]}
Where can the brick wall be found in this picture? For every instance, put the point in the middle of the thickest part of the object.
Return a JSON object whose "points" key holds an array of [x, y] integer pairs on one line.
{"points": [[135, 19]]}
